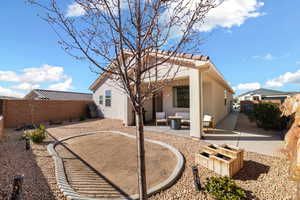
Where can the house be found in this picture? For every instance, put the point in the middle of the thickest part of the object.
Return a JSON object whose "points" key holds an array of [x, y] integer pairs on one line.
{"points": [[198, 88], [264, 94], [39, 94], [7, 97]]}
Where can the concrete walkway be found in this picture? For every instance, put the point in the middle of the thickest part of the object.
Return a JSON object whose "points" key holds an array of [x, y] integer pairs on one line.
{"points": [[247, 136], [229, 122]]}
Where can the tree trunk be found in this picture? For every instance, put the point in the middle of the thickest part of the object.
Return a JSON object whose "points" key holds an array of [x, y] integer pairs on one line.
{"points": [[141, 154]]}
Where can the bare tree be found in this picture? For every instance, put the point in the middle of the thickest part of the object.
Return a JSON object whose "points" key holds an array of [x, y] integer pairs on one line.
{"points": [[127, 41]]}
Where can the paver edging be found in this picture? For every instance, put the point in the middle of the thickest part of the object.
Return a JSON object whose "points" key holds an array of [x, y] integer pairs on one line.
{"points": [[72, 195]]}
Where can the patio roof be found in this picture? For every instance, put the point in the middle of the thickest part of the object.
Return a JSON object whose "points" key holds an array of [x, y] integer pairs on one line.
{"points": [[191, 60]]}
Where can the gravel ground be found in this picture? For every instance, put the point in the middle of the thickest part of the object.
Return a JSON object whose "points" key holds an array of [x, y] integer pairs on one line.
{"points": [[263, 177], [36, 165]]}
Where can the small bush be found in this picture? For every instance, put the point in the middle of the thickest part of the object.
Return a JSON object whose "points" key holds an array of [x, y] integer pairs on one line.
{"points": [[82, 118], [267, 115], [38, 135], [223, 188]]}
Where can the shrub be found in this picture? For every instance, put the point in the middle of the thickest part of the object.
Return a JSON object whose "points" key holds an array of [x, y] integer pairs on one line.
{"points": [[267, 115], [223, 188], [82, 118], [38, 135]]}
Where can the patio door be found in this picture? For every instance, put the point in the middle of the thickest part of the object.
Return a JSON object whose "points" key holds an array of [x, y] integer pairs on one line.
{"points": [[157, 104]]}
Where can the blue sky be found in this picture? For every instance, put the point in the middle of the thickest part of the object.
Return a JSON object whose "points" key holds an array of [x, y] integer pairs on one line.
{"points": [[253, 44]]}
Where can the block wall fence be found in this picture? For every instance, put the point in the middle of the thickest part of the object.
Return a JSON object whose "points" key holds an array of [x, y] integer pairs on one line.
{"points": [[24, 112], [1, 126]]}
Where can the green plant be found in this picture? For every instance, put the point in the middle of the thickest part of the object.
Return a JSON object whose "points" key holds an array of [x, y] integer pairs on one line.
{"points": [[82, 118], [267, 115], [37, 135], [224, 188]]}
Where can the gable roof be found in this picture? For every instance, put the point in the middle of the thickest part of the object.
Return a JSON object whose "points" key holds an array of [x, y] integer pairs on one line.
{"points": [[60, 95], [265, 92], [186, 56]]}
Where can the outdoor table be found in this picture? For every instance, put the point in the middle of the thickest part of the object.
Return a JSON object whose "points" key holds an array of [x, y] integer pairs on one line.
{"points": [[175, 122]]}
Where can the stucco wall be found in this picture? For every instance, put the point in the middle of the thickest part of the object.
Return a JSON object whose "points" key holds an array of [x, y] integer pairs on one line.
{"points": [[207, 98], [118, 101], [21, 112], [213, 98], [220, 110]]}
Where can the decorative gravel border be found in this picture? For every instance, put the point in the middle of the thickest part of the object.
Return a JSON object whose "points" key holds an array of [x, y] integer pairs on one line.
{"points": [[67, 190]]}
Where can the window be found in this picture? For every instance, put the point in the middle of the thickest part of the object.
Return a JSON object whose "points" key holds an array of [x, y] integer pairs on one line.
{"points": [[256, 98], [108, 98], [248, 98], [101, 99], [181, 97]]}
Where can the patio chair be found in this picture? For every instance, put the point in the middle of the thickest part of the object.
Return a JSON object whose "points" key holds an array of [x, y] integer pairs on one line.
{"points": [[161, 117], [185, 117], [208, 122]]}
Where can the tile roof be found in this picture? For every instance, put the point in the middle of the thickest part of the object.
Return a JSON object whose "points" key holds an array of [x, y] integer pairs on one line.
{"points": [[265, 92], [186, 55], [162, 52], [62, 95]]}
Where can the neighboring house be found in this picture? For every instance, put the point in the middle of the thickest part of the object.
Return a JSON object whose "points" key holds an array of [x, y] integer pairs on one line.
{"points": [[39, 94], [198, 88], [264, 94], [7, 97]]}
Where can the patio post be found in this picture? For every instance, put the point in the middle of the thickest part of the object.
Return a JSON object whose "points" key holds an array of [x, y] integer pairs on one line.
{"points": [[196, 103]]}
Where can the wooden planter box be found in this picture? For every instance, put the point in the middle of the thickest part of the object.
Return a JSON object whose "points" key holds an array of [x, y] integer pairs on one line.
{"points": [[203, 158], [225, 160], [233, 152], [224, 165], [212, 148]]}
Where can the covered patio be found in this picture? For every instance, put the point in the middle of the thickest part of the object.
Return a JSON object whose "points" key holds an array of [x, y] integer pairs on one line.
{"points": [[197, 90]]}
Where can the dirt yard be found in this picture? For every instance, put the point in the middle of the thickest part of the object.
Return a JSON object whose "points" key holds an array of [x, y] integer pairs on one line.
{"points": [[115, 157]]}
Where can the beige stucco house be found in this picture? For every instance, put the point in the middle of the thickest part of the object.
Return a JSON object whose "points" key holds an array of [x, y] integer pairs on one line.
{"points": [[197, 87]]}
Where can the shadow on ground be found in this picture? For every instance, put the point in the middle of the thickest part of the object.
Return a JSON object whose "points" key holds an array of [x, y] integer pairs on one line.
{"points": [[74, 161], [251, 171], [250, 195]]}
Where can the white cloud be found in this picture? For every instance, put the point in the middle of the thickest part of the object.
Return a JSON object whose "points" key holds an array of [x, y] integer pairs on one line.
{"points": [[26, 86], [228, 14], [75, 10], [247, 86], [288, 77], [8, 76], [30, 78], [10, 92], [267, 57], [46, 73], [63, 86], [231, 13]]}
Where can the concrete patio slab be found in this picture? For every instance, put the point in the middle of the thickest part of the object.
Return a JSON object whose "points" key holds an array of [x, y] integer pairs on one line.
{"points": [[263, 144], [247, 136]]}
